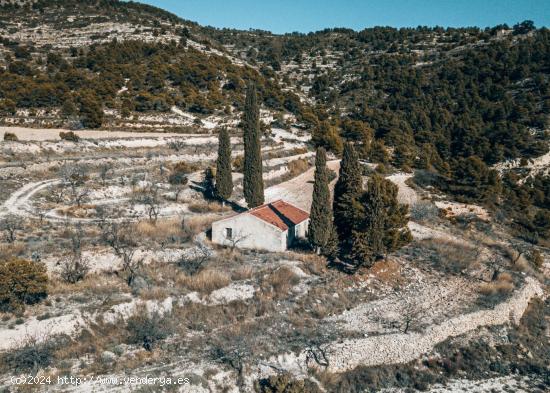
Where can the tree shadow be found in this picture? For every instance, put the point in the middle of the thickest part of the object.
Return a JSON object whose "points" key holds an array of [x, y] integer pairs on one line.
{"points": [[342, 266]]}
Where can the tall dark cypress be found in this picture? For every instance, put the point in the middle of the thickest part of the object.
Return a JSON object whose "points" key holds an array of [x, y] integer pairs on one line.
{"points": [[347, 191], [320, 218], [224, 181], [253, 184]]}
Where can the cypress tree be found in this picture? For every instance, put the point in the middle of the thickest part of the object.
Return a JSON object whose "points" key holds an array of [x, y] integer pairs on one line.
{"points": [[253, 184], [347, 191], [320, 218], [224, 181], [381, 226]]}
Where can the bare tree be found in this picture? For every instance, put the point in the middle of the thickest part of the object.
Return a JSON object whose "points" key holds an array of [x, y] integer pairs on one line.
{"points": [[121, 237], [57, 193], [74, 177], [10, 225], [74, 267], [151, 199], [194, 259], [81, 195], [234, 238], [177, 145]]}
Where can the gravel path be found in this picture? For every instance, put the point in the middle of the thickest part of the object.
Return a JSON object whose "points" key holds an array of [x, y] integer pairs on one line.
{"points": [[17, 203], [298, 190]]}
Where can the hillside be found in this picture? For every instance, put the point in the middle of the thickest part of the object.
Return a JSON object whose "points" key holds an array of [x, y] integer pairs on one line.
{"points": [[426, 262]]}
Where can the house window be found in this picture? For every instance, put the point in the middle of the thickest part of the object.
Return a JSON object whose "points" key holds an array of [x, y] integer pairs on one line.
{"points": [[229, 233]]}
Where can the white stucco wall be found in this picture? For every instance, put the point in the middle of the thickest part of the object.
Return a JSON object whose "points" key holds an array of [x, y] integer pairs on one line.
{"points": [[252, 232], [302, 228]]}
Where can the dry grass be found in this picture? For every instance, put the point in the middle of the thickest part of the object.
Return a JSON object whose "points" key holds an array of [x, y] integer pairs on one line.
{"points": [[279, 282], [242, 273], [156, 293], [501, 286], [200, 224], [225, 256], [297, 167], [517, 260], [450, 256], [162, 229], [94, 283], [387, 271], [286, 153], [208, 207], [10, 250], [205, 281], [83, 211], [311, 263]]}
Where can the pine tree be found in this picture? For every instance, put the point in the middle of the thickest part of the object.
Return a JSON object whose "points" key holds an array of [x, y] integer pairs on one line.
{"points": [[381, 226], [347, 190], [320, 218], [253, 184], [224, 181]]}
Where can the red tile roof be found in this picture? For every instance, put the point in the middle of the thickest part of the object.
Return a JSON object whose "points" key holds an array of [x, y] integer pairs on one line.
{"points": [[280, 213]]}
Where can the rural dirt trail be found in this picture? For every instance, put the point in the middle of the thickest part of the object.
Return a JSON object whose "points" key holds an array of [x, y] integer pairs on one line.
{"points": [[17, 203], [298, 190]]}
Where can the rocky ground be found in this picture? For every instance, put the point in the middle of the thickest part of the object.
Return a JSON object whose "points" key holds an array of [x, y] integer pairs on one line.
{"points": [[242, 316]]}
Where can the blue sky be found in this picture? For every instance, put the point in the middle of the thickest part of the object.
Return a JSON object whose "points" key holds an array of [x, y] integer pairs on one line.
{"points": [[283, 16]]}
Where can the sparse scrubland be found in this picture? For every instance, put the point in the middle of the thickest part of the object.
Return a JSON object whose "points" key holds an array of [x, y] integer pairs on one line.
{"points": [[420, 153]]}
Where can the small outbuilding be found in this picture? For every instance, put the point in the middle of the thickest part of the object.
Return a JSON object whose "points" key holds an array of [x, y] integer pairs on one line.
{"points": [[274, 226]]}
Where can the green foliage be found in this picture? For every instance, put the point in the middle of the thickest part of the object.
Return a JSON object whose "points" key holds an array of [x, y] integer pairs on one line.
{"points": [[326, 135], [224, 180], [284, 383], [378, 152], [7, 107], [320, 217], [69, 108], [472, 180], [91, 111], [381, 225], [253, 185], [347, 190], [21, 282]]}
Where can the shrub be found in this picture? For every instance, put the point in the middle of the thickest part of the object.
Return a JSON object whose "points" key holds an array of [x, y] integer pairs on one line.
{"points": [[34, 354], [10, 136], [21, 282], [297, 167], [147, 328], [206, 281], [209, 207], [185, 167], [536, 258], [238, 164], [424, 211], [284, 383], [180, 171], [449, 256], [281, 280], [69, 136], [74, 269]]}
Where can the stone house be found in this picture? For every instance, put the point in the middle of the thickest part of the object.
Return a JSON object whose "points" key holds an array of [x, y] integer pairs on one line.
{"points": [[274, 226]]}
